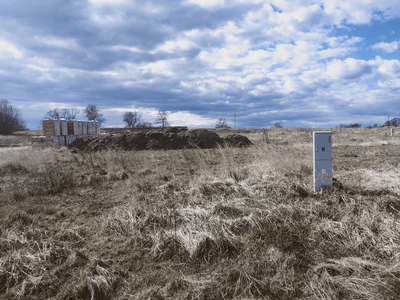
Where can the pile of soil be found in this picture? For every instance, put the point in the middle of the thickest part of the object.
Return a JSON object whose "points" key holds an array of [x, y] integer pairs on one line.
{"points": [[160, 139]]}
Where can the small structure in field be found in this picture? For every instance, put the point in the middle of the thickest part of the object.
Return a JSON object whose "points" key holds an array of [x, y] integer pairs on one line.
{"points": [[64, 132], [322, 154]]}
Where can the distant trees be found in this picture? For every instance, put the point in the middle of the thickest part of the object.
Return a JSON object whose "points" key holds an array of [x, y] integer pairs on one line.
{"points": [[145, 125], [278, 125], [52, 114], [69, 113], [393, 122], [131, 119], [10, 118], [162, 118], [221, 123], [63, 113], [355, 125], [92, 113]]}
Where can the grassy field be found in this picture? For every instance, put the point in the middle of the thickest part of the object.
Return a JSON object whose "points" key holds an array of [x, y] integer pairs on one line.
{"points": [[19, 138], [224, 223]]}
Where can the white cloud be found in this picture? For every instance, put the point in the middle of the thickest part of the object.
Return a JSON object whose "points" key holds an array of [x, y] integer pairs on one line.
{"points": [[180, 44], [185, 118], [162, 67], [127, 48], [100, 2], [386, 47], [70, 44], [347, 70], [8, 50], [389, 68], [206, 3]]}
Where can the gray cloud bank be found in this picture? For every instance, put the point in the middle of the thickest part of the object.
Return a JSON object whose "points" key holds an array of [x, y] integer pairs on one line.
{"points": [[295, 62]]}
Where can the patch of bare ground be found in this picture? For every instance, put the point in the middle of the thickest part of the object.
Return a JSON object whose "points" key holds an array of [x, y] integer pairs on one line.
{"points": [[220, 223]]}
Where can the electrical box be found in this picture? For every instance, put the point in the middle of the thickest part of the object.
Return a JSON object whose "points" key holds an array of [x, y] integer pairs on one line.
{"points": [[84, 128], [64, 126], [51, 128], [97, 126], [91, 128], [80, 127], [59, 141], [73, 127], [322, 160]]}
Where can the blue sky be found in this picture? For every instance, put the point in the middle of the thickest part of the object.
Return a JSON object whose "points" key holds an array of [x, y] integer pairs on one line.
{"points": [[301, 63]]}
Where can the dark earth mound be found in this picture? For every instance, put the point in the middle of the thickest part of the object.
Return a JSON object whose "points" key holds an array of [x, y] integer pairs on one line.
{"points": [[160, 139]]}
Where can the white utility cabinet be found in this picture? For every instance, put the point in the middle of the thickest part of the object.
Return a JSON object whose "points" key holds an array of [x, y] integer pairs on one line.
{"points": [[57, 128], [97, 126], [84, 128], [64, 126], [322, 160], [76, 127], [91, 128]]}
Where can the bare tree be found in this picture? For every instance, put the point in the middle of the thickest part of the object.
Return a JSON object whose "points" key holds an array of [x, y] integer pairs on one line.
{"points": [[69, 113], [221, 123], [64, 113], [10, 118], [393, 122], [162, 118], [92, 113], [131, 118], [53, 114]]}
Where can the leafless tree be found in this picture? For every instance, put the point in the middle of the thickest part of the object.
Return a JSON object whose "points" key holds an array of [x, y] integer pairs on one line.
{"points": [[131, 118], [162, 118], [393, 122], [53, 114], [69, 113], [10, 118], [64, 113], [221, 123], [92, 113]]}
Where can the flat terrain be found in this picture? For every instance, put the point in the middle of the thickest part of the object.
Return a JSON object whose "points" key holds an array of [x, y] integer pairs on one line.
{"points": [[223, 223], [19, 138]]}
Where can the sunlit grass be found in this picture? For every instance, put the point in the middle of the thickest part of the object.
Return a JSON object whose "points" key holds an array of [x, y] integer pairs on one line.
{"points": [[223, 223]]}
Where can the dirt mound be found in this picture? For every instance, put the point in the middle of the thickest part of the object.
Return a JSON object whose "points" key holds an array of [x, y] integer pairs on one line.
{"points": [[237, 140], [159, 139]]}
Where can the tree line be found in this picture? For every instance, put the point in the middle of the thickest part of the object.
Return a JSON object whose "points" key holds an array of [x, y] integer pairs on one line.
{"points": [[11, 118], [92, 113], [134, 119]]}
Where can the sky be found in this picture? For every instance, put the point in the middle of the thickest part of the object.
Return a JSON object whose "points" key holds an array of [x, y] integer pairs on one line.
{"points": [[308, 64]]}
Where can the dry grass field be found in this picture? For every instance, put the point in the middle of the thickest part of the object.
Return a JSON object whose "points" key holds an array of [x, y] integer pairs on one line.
{"points": [[225, 223], [19, 138]]}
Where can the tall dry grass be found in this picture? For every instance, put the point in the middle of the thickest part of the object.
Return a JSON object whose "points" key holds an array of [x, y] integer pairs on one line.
{"points": [[221, 223]]}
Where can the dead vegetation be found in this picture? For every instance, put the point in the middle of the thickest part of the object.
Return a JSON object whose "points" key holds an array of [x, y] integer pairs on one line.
{"points": [[221, 223], [170, 138]]}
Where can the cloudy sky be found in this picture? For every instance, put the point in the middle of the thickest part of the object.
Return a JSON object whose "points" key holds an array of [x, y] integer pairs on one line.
{"points": [[302, 63]]}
